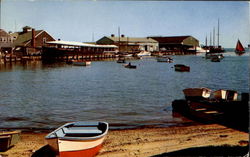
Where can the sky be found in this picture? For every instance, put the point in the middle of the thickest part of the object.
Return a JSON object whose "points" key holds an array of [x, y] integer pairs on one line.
{"points": [[87, 21]]}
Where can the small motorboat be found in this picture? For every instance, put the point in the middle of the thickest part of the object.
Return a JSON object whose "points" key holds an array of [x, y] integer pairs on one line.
{"points": [[164, 59], [213, 55], [9, 139], [215, 59], [181, 68], [78, 139], [130, 66], [81, 63]]}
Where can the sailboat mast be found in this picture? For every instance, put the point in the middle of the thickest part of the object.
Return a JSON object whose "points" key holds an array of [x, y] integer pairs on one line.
{"points": [[214, 37], [218, 32], [119, 37], [210, 42], [206, 41]]}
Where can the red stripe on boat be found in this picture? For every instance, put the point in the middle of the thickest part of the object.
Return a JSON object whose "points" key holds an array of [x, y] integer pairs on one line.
{"points": [[82, 153]]}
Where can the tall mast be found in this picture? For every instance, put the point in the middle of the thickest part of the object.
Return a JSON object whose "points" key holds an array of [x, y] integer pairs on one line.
{"points": [[210, 42], [206, 41], [218, 32], [214, 37], [119, 38]]}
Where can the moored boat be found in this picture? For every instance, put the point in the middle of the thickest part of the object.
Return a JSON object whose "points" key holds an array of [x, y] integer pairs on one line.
{"points": [[211, 55], [239, 50], [81, 63], [215, 59], [164, 59], [197, 93], [78, 139], [9, 139], [222, 94], [144, 53], [181, 67], [130, 66]]}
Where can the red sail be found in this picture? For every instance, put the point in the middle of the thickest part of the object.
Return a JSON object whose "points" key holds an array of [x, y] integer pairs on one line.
{"points": [[239, 47]]}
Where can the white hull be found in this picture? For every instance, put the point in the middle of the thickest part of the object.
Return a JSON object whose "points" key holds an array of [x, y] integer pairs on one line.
{"points": [[164, 59], [144, 53], [65, 145]]}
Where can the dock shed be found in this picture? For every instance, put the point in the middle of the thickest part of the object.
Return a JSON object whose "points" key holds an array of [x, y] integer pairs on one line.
{"points": [[176, 44], [130, 44], [64, 50]]}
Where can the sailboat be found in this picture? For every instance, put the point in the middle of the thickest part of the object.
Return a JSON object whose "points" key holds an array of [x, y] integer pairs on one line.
{"points": [[239, 50]]}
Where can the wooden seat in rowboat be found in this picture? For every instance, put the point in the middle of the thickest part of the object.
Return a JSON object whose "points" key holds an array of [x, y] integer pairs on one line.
{"points": [[81, 132], [85, 124]]}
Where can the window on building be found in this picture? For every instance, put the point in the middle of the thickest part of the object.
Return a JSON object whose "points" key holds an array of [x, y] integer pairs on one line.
{"points": [[44, 40]]}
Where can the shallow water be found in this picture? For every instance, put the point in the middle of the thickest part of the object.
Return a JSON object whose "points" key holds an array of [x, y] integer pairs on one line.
{"points": [[47, 95]]}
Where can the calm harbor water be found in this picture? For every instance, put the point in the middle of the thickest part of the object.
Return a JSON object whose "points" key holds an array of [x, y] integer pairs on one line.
{"points": [[47, 95]]}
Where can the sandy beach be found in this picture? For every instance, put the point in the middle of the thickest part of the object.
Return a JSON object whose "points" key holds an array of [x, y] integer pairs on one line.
{"points": [[145, 142]]}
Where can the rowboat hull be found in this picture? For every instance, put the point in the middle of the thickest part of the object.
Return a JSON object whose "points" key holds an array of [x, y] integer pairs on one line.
{"points": [[225, 95], [75, 149], [197, 93], [76, 144]]}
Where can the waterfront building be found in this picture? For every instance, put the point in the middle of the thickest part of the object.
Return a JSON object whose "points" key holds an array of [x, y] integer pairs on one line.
{"points": [[130, 44], [30, 41], [176, 44], [6, 42], [65, 50]]}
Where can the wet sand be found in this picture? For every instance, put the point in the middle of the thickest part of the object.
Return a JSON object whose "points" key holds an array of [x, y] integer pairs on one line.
{"points": [[146, 142]]}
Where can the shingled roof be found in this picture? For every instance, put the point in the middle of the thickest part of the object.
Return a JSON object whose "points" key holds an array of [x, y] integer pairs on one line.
{"points": [[171, 39], [22, 38]]}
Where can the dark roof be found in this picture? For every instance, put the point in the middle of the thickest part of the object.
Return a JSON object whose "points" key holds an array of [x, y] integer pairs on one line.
{"points": [[27, 27], [172, 39], [23, 38], [133, 39]]}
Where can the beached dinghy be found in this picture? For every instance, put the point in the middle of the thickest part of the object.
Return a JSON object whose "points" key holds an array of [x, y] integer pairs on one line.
{"points": [[197, 93], [78, 139], [8, 139]]}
